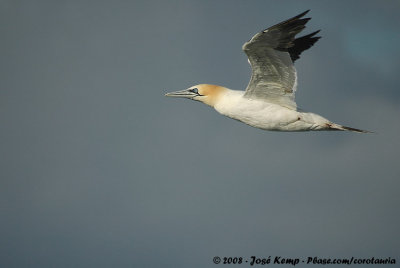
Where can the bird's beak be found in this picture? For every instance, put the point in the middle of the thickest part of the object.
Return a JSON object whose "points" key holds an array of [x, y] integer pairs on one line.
{"points": [[186, 93]]}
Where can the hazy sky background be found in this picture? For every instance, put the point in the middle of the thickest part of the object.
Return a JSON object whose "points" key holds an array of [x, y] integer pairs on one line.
{"points": [[99, 169]]}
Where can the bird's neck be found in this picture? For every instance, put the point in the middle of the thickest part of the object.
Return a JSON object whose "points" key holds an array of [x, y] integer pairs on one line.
{"points": [[214, 94], [228, 100]]}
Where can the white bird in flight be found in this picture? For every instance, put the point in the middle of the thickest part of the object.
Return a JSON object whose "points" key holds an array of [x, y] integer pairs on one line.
{"points": [[268, 102]]}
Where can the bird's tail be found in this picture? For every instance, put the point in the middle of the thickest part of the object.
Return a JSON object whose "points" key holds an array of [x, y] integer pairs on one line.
{"points": [[332, 126]]}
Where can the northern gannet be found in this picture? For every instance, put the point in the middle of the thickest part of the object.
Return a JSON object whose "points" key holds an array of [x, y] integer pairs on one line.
{"points": [[268, 102]]}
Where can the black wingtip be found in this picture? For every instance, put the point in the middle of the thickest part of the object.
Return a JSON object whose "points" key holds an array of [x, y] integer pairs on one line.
{"points": [[311, 36], [285, 33], [314, 33], [305, 12], [301, 14], [301, 44], [295, 18]]}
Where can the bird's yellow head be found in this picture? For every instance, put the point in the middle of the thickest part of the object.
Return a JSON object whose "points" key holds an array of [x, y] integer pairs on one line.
{"points": [[208, 94]]}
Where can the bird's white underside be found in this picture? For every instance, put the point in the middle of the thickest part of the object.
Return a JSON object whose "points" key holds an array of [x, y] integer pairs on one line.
{"points": [[268, 116]]}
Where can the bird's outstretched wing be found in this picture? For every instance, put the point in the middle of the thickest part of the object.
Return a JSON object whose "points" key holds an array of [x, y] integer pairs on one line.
{"points": [[271, 54]]}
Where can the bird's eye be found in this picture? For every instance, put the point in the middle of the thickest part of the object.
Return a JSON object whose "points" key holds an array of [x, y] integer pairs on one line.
{"points": [[195, 90]]}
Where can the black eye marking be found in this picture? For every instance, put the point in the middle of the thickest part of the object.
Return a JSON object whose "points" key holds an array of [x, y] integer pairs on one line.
{"points": [[194, 90]]}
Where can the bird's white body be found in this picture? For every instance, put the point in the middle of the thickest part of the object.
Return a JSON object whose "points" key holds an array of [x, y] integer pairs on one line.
{"points": [[269, 100], [264, 115]]}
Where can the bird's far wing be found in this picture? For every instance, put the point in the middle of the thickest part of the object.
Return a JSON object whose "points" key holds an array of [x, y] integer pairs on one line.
{"points": [[271, 55]]}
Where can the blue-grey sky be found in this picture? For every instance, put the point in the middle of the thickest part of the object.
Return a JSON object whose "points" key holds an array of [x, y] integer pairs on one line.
{"points": [[99, 169]]}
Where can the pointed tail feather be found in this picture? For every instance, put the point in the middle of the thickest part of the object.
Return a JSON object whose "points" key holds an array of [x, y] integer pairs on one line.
{"points": [[344, 128]]}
